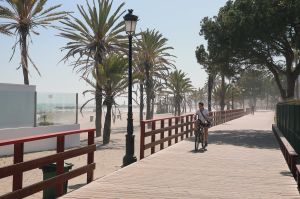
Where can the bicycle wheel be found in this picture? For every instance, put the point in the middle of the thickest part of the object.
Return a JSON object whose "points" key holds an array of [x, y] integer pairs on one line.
{"points": [[197, 140], [202, 139]]}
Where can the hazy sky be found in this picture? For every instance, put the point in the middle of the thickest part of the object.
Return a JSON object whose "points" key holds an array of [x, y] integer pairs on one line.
{"points": [[177, 20]]}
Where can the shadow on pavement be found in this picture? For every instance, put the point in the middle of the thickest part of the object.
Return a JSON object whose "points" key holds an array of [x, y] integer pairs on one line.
{"points": [[286, 173], [76, 186], [199, 151], [247, 138]]}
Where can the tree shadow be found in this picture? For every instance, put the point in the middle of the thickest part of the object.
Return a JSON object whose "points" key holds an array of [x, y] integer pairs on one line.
{"points": [[113, 144], [261, 139]]}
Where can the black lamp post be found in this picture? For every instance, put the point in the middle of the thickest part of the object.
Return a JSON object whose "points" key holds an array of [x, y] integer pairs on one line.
{"points": [[130, 24]]}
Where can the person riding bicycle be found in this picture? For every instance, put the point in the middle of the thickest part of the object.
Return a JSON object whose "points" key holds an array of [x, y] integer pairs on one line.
{"points": [[202, 119]]}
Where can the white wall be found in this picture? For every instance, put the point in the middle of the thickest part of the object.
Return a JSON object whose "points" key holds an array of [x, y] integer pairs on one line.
{"points": [[16, 105], [47, 144]]}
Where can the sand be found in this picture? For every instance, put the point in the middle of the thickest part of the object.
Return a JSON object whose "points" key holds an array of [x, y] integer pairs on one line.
{"points": [[108, 158]]}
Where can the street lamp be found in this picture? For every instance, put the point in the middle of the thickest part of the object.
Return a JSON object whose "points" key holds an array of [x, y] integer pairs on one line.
{"points": [[130, 25]]}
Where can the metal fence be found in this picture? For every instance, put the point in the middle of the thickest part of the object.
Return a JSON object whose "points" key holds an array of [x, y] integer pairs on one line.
{"points": [[288, 121]]}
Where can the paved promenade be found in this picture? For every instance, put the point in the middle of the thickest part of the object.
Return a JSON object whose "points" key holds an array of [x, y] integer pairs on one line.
{"points": [[242, 161]]}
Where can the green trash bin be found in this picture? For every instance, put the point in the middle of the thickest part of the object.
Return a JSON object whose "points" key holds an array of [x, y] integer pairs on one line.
{"points": [[49, 171]]}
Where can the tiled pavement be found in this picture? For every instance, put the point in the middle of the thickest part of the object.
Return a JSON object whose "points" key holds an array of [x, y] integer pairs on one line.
{"points": [[242, 161]]}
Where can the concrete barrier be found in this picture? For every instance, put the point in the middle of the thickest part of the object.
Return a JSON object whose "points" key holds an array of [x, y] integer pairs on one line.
{"points": [[48, 144]]}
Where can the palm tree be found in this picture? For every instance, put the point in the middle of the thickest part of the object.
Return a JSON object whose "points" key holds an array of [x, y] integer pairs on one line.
{"points": [[222, 94], [91, 38], [21, 18], [196, 96], [113, 77], [179, 85], [154, 58], [139, 71]]}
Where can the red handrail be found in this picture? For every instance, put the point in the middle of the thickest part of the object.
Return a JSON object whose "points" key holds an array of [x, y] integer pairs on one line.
{"points": [[219, 117], [58, 181], [41, 137]]}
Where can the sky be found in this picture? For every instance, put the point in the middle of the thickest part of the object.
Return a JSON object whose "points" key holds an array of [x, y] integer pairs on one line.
{"points": [[177, 20]]}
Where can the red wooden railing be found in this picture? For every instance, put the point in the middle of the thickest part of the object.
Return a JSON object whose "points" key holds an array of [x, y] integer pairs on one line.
{"points": [[19, 167], [177, 127]]}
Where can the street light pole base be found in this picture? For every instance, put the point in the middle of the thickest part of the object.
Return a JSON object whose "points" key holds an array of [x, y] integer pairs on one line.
{"points": [[129, 156], [127, 160]]}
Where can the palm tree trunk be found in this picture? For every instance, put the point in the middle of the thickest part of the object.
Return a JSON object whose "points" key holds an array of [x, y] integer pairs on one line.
{"points": [[98, 121], [222, 101], [210, 86], [141, 102], [152, 107], [179, 109], [148, 92], [184, 104], [174, 104], [148, 108], [24, 59], [107, 124]]}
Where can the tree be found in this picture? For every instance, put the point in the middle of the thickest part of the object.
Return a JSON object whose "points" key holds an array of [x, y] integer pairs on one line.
{"points": [[21, 18], [222, 95], [90, 39], [253, 83], [214, 63], [154, 58], [196, 96], [139, 70], [258, 84], [204, 59], [263, 33], [179, 85], [113, 77]]}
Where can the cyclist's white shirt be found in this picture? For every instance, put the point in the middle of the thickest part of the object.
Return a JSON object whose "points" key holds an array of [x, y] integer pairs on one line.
{"points": [[200, 116]]}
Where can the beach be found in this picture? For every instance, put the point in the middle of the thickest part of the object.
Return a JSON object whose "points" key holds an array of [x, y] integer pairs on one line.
{"points": [[108, 158]]}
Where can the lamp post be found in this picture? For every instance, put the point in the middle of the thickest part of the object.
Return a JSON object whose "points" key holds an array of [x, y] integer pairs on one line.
{"points": [[130, 24]]}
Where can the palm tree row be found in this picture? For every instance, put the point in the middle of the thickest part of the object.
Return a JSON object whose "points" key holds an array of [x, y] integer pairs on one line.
{"points": [[97, 50], [179, 85]]}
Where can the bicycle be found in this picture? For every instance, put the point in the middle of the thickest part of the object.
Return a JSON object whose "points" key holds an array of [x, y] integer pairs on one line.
{"points": [[199, 138]]}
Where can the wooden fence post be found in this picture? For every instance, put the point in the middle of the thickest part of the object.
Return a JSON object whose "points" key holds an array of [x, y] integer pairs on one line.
{"points": [[153, 137], [187, 126], [90, 158], [60, 147], [142, 140], [182, 127], [176, 129], [170, 131], [162, 134], [192, 124], [18, 157]]}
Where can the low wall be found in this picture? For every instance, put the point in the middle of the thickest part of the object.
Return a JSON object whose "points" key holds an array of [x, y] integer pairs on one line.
{"points": [[47, 144], [17, 105]]}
